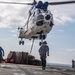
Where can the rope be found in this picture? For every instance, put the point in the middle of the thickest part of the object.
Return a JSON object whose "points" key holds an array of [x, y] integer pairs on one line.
{"points": [[32, 46]]}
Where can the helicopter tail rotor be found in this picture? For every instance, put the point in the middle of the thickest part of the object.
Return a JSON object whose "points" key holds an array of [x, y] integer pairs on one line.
{"points": [[34, 2]]}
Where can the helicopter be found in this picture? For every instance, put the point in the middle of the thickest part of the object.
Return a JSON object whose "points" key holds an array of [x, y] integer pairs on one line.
{"points": [[39, 22]]}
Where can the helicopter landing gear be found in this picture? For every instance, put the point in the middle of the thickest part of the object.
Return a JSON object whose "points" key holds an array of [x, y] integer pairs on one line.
{"points": [[21, 42], [42, 37], [40, 43], [32, 46]]}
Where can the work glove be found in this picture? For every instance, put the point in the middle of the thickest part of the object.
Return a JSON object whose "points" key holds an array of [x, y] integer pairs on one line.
{"points": [[3, 54], [39, 53], [48, 54]]}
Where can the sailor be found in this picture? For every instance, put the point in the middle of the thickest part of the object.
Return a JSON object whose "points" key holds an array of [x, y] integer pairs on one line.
{"points": [[1, 54], [44, 52]]}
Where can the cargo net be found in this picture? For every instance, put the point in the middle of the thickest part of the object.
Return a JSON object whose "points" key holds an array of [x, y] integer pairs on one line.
{"points": [[22, 58]]}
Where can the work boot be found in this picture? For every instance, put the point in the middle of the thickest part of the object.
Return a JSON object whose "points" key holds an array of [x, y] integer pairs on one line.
{"points": [[43, 68]]}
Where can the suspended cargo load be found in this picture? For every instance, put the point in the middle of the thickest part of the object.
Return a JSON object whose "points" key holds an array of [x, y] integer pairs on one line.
{"points": [[35, 62], [22, 58]]}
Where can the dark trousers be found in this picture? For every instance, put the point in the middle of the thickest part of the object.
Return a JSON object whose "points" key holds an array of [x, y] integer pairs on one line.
{"points": [[0, 57], [43, 61]]}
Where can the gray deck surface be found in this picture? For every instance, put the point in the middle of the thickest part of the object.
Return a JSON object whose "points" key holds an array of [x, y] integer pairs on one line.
{"points": [[18, 69]]}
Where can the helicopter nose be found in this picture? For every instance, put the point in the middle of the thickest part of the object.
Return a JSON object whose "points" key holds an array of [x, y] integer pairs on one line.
{"points": [[47, 17]]}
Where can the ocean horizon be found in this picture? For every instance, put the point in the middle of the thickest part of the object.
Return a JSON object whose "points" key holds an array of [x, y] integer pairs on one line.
{"points": [[59, 64]]}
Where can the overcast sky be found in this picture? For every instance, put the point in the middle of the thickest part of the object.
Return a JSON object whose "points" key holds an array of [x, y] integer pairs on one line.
{"points": [[61, 39]]}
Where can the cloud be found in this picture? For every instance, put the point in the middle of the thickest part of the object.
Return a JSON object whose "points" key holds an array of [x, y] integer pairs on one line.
{"points": [[12, 15], [13, 31], [70, 50], [66, 18], [61, 30], [17, 14], [15, 35], [60, 18], [63, 14]]}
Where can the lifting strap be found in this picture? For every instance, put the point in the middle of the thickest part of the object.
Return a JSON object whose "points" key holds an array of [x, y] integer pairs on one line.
{"points": [[32, 46]]}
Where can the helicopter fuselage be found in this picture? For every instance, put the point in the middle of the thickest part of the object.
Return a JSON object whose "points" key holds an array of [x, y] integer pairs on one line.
{"points": [[40, 22]]}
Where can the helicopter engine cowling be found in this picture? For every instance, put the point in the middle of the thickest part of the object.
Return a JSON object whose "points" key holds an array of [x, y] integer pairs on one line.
{"points": [[42, 16]]}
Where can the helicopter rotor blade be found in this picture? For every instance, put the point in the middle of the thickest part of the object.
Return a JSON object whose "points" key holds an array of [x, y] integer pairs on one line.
{"points": [[60, 3], [50, 3], [34, 2], [16, 3]]}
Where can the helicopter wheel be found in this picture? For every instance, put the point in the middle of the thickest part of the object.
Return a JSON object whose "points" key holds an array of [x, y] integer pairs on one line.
{"points": [[44, 37], [40, 37], [21, 42]]}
